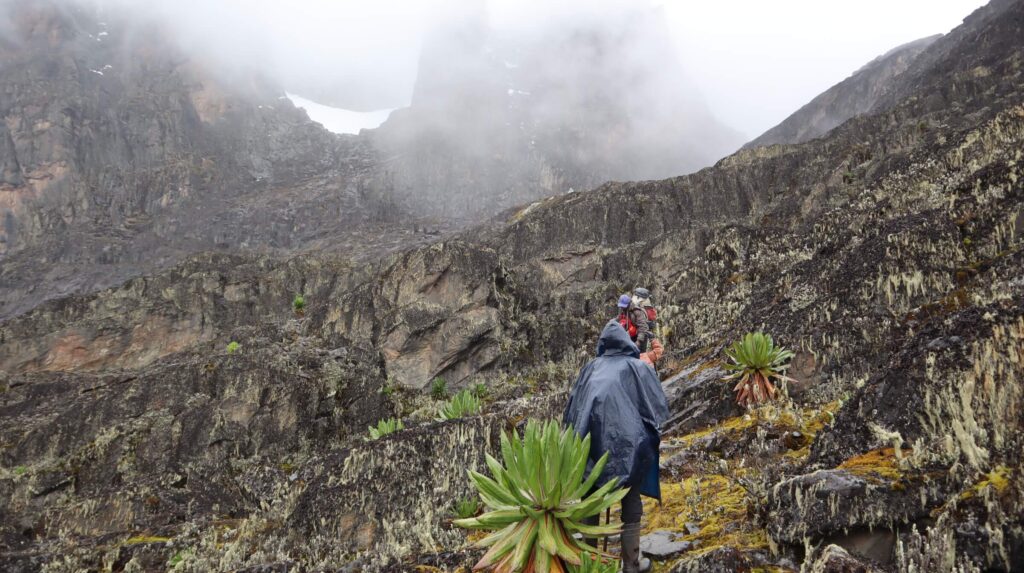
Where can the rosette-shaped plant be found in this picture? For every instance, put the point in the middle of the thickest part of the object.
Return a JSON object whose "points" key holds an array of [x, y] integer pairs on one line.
{"points": [[385, 427], [463, 404], [538, 499], [756, 362]]}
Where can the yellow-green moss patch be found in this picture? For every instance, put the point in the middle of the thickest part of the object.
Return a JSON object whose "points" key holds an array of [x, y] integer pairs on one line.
{"points": [[716, 504], [737, 424], [998, 480], [146, 539], [878, 465]]}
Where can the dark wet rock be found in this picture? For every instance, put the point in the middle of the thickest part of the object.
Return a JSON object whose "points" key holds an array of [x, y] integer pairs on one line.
{"points": [[284, 567], [834, 559], [141, 557], [663, 545], [720, 560], [15, 562], [47, 482], [682, 462], [698, 398], [875, 545], [830, 502]]}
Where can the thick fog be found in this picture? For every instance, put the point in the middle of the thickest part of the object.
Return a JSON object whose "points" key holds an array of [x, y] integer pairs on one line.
{"points": [[757, 62], [753, 62]]}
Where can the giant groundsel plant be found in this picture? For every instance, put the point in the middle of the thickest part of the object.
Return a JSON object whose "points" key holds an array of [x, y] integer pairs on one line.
{"points": [[538, 499]]}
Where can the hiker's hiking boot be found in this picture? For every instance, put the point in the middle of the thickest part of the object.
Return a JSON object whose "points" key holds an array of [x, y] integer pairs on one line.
{"points": [[632, 560]]}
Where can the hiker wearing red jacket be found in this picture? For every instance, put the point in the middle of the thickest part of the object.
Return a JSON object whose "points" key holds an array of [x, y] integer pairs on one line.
{"points": [[634, 320]]}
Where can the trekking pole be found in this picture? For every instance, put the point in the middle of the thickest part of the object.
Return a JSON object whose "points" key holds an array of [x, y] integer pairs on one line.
{"points": [[607, 521]]}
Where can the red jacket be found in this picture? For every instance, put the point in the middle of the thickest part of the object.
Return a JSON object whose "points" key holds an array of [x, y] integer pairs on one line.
{"points": [[638, 317]]}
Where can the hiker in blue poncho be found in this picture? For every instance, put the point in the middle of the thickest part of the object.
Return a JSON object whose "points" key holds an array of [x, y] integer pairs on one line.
{"points": [[618, 400]]}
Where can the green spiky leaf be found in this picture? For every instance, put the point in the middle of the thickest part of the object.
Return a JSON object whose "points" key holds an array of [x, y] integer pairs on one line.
{"points": [[385, 427], [463, 404], [537, 497]]}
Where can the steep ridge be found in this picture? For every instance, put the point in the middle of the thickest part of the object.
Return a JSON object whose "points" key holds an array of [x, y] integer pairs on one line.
{"points": [[888, 254], [851, 97]]}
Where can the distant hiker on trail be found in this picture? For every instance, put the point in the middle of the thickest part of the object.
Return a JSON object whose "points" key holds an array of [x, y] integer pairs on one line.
{"points": [[634, 320], [618, 400], [642, 299]]}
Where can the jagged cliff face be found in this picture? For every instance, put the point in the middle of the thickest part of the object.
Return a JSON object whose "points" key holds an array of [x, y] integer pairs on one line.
{"points": [[888, 253], [121, 154], [531, 115], [100, 114]]}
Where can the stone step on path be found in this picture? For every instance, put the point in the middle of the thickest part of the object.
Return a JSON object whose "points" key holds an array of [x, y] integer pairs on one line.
{"points": [[663, 545]]}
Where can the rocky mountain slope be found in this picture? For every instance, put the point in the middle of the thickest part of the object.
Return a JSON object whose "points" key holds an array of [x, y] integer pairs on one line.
{"points": [[121, 155], [123, 152], [856, 95], [888, 253]]}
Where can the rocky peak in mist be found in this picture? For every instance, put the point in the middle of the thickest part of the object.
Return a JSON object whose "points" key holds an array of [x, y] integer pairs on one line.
{"points": [[529, 115], [122, 150], [856, 95]]}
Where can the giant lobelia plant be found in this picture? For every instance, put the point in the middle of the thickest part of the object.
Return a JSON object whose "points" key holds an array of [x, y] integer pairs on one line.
{"points": [[756, 361], [539, 499]]}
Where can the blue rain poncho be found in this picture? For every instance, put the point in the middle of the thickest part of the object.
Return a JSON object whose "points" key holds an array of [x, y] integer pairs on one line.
{"points": [[618, 400]]}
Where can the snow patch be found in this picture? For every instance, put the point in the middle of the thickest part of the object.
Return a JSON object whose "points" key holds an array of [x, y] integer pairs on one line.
{"points": [[338, 120]]}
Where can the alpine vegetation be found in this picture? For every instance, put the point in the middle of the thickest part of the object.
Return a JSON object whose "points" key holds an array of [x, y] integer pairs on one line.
{"points": [[756, 361], [439, 389], [466, 508], [463, 404], [595, 564], [385, 427], [538, 500]]}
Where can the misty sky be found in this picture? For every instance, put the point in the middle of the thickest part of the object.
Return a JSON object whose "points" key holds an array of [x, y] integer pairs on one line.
{"points": [[755, 62]]}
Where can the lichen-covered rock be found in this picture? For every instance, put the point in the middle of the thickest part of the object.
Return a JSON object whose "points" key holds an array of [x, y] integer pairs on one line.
{"points": [[721, 560], [394, 496], [834, 559]]}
